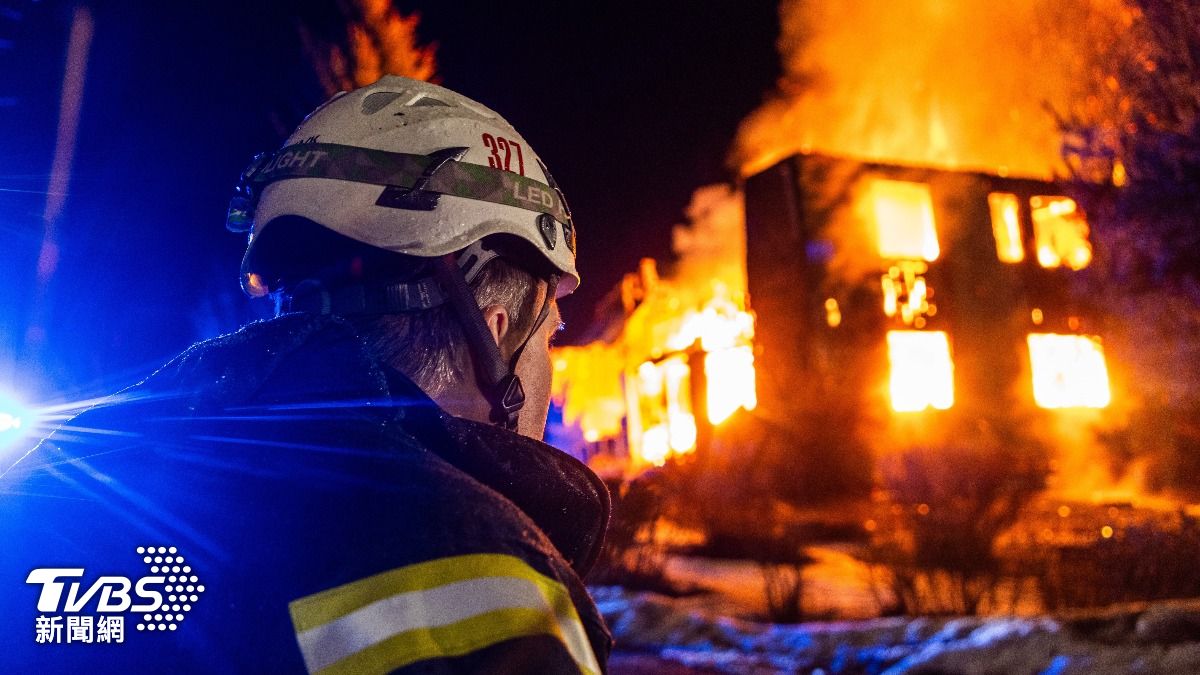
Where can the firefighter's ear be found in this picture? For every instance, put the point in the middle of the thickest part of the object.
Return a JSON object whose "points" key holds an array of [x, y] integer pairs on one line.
{"points": [[497, 320]]}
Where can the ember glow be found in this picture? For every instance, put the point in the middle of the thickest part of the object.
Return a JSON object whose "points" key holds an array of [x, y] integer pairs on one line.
{"points": [[1068, 371], [922, 373]]}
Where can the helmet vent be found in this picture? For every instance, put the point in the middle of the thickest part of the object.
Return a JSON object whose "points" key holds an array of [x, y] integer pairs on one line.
{"points": [[378, 101], [428, 101]]}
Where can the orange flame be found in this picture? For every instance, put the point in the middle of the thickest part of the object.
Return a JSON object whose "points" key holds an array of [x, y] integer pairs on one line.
{"points": [[641, 382], [922, 372], [1006, 226], [963, 84], [1060, 232], [904, 218], [1068, 371]]}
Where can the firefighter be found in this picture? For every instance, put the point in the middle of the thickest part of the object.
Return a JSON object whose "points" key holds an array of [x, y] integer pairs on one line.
{"points": [[357, 485]]}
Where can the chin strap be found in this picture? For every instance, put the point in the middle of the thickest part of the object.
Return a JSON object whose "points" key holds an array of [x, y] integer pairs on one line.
{"points": [[497, 379]]}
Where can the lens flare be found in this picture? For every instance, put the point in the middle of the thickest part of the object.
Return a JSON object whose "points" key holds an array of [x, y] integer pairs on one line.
{"points": [[16, 421]]}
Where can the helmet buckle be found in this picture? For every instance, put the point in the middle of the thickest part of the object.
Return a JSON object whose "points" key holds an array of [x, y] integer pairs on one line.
{"points": [[510, 402]]}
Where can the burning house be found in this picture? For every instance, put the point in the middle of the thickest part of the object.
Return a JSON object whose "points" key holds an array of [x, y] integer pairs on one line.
{"points": [[915, 295], [925, 290], [880, 255]]}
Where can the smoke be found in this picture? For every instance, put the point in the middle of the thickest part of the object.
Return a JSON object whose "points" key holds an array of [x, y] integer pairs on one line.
{"points": [[968, 84], [711, 246]]}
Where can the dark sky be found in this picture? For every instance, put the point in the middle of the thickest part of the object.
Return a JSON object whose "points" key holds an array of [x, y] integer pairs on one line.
{"points": [[631, 105]]}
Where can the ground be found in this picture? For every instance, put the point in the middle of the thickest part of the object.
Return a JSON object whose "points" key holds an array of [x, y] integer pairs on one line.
{"points": [[708, 633]]}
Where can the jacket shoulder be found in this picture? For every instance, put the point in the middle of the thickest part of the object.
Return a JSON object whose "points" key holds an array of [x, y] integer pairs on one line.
{"points": [[471, 584]]}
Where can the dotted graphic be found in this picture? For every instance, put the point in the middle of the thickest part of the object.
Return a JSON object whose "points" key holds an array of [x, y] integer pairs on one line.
{"points": [[166, 562]]}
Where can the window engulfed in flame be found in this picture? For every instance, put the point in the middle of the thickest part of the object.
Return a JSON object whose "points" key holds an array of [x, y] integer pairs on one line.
{"points": [[922, 374], [724, 331], [1006, 226], [904, 220], [906, 293], [730, 382], [1068, 371], [1060, 232], [666, 410]]}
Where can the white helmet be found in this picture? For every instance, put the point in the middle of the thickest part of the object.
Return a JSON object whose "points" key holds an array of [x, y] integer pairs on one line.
{"points": [[408, 167], [412, 168]]}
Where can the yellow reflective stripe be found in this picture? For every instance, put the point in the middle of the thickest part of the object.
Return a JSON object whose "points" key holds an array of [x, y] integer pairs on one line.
{"points": [[456, 639], [444, 607], [439, 606], [321, 608]]}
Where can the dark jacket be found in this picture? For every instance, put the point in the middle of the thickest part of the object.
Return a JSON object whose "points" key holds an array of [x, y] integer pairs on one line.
{"points": [[332, 515]]}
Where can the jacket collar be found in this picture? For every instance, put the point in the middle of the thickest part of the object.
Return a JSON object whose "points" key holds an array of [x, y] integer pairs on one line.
{"points": [[559, 493]]}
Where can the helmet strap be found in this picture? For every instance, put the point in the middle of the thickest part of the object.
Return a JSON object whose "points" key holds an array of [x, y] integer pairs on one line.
{"points": [[499, 383], [497, 379]]}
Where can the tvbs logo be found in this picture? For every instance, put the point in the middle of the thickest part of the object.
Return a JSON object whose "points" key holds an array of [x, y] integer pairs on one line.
{"points": [[162, 597]]}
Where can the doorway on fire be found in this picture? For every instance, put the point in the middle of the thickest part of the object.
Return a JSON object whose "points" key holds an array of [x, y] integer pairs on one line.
{"points": [[920, 294]]}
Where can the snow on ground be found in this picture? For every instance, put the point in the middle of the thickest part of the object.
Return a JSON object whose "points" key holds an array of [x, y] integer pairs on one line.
{"points": [[695, 633]]}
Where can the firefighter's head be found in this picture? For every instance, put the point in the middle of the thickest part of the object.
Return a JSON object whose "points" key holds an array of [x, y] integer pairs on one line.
{"points": [[428, 221]]}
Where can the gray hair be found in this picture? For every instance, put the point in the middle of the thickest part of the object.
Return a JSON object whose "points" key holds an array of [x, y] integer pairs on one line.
{"points": [[429, 346]]}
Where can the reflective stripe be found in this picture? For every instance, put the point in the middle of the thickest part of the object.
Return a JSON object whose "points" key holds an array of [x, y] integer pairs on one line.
{"points": [[442, 608]]}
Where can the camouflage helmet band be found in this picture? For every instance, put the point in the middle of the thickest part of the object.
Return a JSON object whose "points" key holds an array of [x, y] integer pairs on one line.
{"points": [[427, 173]]}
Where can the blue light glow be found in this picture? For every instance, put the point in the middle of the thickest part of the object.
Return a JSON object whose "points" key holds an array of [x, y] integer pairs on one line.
{"points": [[16, 421]]}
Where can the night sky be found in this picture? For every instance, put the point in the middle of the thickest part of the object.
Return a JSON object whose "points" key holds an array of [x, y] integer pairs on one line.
{"points": [[631, 105]]}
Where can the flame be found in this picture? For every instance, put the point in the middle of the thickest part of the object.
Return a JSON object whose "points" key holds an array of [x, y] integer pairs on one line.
{"points": [[723, 332], [1060, 233], [730, 382], [379, 41], [1006, 226], [587, 383], [669, 425], [1068, 371], [640, 384], [721, 324], [904, 220], [964, 84], [922, 373]]}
